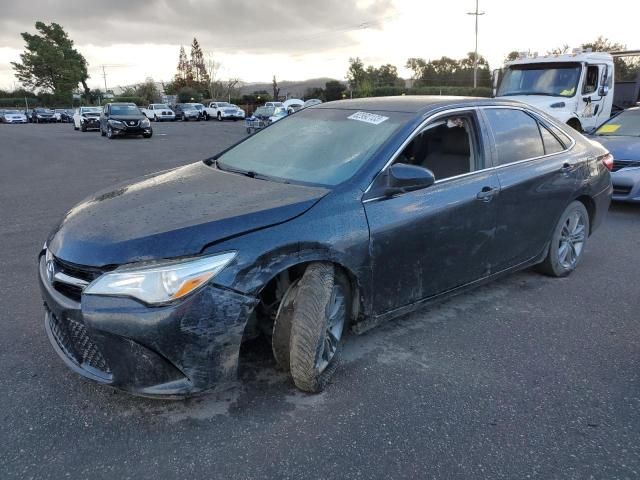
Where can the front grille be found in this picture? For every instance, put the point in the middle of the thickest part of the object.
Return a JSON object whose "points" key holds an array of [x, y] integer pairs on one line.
{"points": [[76, 344], [618, 164], [131, 123], [87, 274], [621, 190]]}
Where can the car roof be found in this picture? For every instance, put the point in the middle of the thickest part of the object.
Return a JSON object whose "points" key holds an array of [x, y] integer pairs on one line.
{"points": [[413, 103]]}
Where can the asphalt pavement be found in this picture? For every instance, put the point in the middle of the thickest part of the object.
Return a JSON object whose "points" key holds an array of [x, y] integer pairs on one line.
{"points": [[527, 377]]}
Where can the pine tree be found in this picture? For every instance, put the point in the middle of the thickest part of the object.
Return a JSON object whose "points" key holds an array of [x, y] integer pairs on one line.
{"points": [[199, 69]]}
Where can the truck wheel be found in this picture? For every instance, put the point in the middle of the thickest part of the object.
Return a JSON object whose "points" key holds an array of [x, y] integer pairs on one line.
{"points": [[567, 242], [155, 118], [321, 313], [74, 126], [219, 117], [206, 117]]}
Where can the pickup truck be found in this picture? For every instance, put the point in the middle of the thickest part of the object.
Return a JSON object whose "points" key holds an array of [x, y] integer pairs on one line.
{"points": [[159, 112], [223, 111]]}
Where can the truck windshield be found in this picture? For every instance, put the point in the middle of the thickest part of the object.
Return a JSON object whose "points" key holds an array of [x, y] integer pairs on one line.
{"points": [[553, 79], [316, 146]]}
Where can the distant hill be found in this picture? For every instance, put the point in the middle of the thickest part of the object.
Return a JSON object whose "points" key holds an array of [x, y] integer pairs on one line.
{"points": [[287, 88]]}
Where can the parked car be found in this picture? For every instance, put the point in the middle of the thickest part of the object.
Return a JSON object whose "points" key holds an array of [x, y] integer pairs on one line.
{"points": [[42, 115], [278, 114], [223, 111], [124, 119], [159, 112], [273, 104], [87, 118], [200, 108], [311, 102], [58, 114], [12, 116], [374, 207], [621, 136], [67, 115], [293, 105], [186, 112]]}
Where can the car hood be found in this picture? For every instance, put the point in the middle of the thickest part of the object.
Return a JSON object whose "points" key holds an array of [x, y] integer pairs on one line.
{"points": [[622, 148], [172, 214]]}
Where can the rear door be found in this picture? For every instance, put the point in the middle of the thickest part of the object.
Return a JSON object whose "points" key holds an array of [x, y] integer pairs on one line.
{"points": [[537, 180]]}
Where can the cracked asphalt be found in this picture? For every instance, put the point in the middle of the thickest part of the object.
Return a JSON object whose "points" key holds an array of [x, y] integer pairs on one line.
{"points": [[527, 377]]}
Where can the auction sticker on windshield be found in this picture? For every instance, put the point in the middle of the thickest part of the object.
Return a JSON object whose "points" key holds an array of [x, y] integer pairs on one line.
{"points": [[368, 118]]}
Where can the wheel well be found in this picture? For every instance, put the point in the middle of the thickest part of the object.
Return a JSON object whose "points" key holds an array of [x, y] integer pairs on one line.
{"points": [[261, 319], [590, 205], [575, 124]]}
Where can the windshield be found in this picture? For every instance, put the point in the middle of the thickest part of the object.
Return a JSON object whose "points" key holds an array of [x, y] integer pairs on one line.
{"points": [[321, 146], [159, 105], [197, 106], [188, 107], [556, 80], [90, 110], [627, 124], [43, 110], [11, 112], [223, 104], [125, 110]]}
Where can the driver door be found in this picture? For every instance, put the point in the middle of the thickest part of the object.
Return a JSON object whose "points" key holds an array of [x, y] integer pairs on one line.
{"points": [[591, 103], [432, 240]]}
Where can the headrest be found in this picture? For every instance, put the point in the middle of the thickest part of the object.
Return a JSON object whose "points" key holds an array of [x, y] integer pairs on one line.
{"points": [[455, 141]]}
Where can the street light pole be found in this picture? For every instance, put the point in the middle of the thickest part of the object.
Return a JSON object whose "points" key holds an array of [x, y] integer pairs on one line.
{"points": [[475, 59]]}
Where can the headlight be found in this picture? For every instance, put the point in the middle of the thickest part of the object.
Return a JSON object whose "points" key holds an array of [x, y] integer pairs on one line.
{"points": [[160, 282], [115, 123], [145, 123]]}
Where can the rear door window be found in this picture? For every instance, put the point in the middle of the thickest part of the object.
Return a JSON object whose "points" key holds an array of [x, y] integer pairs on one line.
{"points": [[551, 143], [516, 135]]}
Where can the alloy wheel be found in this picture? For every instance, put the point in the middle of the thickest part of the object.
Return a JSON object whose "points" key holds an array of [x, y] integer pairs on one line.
{"points": [[336, 316], [572, 237]]}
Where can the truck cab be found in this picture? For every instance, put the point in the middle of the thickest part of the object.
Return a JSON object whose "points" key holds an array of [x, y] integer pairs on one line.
{"points": [[574, 88]]}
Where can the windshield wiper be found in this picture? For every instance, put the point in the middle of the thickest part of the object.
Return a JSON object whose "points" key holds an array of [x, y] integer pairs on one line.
{"points": [[248, 173]]}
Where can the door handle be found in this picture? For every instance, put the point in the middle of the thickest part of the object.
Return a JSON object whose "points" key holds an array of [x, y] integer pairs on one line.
{"points": [[487, 193]]}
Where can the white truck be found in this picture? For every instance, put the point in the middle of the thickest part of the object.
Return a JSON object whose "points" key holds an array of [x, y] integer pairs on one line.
{"points": [[576, 88], [223, 111], [159, 112]]}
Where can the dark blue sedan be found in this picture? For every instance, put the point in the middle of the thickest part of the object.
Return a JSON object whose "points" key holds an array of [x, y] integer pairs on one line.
{"points": [[326, 222], [621, 136]]}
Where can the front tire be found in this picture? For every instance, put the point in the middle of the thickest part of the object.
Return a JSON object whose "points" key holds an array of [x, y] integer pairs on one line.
{"points": [[110, 134], [219, 117], [321, 313], [147, 135], [567, 242]]}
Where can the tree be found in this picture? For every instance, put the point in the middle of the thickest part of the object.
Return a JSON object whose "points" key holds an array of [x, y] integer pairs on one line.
{"points": [[559, 50], [189, 94], [184, 73], [148, 90], [333, 90], [50, 62], [198, 67], [356, 73], [513, 55], [626, 68], [213, 67], [276, 89]]}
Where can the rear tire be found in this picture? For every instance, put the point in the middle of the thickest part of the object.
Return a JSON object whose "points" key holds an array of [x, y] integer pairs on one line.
{"points": [[567, 242], [322, 310]]}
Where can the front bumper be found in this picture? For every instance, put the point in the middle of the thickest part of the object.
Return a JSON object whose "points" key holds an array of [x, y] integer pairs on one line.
{"points": [[626, 185], [123, 130], [15, 120], [238, 116], [91, 124], [167, 351]]}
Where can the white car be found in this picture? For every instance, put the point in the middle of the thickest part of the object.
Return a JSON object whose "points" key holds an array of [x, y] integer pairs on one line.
{"points": [[273, 104], [223, 111], [12, 116], [87, 118], [278, 114], [159, 112]]}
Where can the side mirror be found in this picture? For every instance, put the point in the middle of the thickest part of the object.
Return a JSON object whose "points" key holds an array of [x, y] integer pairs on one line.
{"points": [[495, 79], [604, 82], [403, 177]]}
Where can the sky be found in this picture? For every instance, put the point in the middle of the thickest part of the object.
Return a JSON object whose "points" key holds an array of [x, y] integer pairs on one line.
{"points": [[301, 39]]}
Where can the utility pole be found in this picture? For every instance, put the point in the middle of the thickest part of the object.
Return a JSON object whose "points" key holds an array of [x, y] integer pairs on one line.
{"points": [[104, 74], [475, 60]]}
